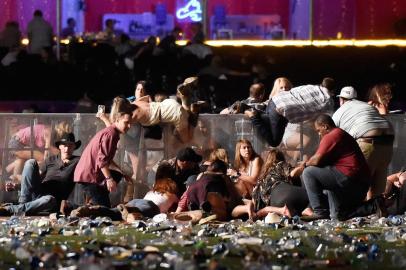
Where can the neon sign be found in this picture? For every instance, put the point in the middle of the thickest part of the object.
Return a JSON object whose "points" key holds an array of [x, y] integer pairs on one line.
{"points": [[192, 10]]}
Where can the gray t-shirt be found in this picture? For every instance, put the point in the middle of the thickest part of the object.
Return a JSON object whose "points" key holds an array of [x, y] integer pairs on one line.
{"points": [[358, 117]]}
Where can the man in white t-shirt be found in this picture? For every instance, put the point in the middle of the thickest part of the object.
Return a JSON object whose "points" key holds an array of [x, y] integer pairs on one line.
{"points": [[373, 133], [39, 33]]}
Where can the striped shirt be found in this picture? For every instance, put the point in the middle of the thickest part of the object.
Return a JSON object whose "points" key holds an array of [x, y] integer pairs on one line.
{"points": [[358, 117], [303, 103]]}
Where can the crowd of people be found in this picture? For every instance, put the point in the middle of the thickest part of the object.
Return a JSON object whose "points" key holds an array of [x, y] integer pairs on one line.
{"points": [[344, 176]]}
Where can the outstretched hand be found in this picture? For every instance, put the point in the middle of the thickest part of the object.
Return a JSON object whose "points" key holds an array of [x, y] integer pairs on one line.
{"points": [[101, 115], [111, 185], [296, 172], [250, 113]]}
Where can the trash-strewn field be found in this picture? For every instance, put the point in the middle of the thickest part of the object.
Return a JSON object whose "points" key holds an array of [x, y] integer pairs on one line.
{"points": [[66, 243]]}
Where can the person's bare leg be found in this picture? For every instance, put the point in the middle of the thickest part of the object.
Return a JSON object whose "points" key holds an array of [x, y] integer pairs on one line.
{"points": [[184, 91], [283, 211], [184, 129], [129, 194], [293, 142], [26, 154], [251, 211], [184, 101], [134, 163], [17, 170], [10, 167], [240, 210]]}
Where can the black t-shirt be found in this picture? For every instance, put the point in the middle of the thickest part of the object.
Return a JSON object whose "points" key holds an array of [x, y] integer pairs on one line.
{"points": [[58, 176]]}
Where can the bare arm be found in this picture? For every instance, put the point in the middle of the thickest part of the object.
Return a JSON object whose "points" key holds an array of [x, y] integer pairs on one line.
{"points": [[111, 184], [115, 167], [247, 208], [314, 160], [256, 169], [225, 111], [146, 98], [104, 118], [47, 139]]}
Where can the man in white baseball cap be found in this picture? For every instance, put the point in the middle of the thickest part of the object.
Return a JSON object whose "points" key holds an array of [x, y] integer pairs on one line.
{"points": [[374, 135], [348, 92]]}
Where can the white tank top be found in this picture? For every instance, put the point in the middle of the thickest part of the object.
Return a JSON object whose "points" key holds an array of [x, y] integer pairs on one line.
{"points": [[163, 201]]}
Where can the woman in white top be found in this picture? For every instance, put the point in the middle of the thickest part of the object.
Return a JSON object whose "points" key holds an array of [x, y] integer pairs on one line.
{"points": [[247, 166], [163, 194]]}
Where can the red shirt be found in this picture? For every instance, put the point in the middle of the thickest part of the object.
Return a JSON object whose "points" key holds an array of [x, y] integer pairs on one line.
{"points": [[338, 148], [98, 153]]}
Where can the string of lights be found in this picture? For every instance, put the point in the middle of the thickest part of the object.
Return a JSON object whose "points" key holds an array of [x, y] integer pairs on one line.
{"points": [[320, 22], [371, 18]]}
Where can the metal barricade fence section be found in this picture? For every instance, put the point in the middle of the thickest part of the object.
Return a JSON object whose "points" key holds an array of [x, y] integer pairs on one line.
{"points": [[139, 155]]}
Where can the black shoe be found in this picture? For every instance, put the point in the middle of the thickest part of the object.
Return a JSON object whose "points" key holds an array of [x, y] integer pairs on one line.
{"points": [[187, 86], [391, 198], [5, 211], [314, 217], [381, 208]]}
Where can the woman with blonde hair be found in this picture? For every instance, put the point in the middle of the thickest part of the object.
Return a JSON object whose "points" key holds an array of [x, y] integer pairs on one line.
{"points": [[280, 84], [219, 153], [247, 166]]}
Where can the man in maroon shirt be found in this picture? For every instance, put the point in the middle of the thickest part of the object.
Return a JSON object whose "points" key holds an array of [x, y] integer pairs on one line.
{"points": [[339, 168], [96, 173]]}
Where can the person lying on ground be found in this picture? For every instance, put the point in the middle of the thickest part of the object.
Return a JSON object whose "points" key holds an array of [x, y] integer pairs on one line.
{"points": [[161, 199]]}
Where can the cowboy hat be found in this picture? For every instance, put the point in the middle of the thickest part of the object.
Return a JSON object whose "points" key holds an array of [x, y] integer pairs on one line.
{"points": [[68, 138]]}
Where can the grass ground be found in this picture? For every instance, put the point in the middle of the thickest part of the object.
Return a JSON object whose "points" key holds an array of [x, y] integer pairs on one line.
{"points": [[332, 246]]}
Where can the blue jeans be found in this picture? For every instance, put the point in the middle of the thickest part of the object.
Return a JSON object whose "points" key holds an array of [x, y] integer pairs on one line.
{"points": [[95, 193], [31, 201], [46, 203], [30, 182], [343, 192], [270, 126]]}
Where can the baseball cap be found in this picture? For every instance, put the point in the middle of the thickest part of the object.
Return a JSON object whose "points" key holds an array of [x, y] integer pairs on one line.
{"points": [[348, 92]]}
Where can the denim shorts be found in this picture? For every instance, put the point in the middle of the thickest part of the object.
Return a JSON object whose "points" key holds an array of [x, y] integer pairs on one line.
{"points": [[15, 143]]}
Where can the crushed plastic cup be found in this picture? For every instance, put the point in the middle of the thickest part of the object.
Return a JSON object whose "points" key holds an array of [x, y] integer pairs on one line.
{"points": [[390, 236], [160, 218], [110, 230]]}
